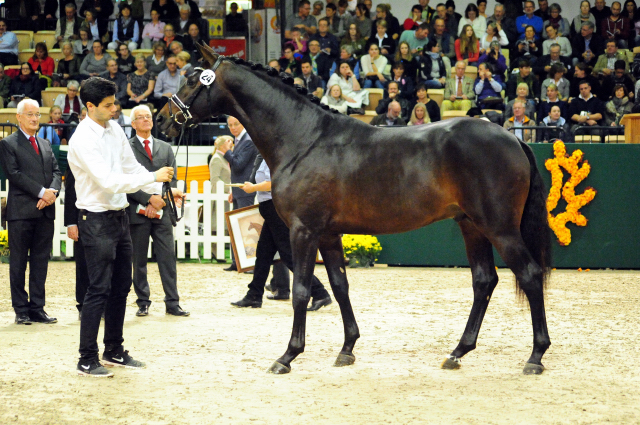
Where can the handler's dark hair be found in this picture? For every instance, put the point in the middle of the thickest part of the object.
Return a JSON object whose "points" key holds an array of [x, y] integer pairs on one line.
{"points": [[95, 89]]}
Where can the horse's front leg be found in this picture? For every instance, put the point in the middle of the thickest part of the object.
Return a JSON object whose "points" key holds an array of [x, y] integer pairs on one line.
{"points": [[333, 257], [304, 246]]}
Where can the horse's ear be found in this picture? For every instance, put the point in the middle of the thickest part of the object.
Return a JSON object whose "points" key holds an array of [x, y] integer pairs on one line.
{"points": [[209, 57]]}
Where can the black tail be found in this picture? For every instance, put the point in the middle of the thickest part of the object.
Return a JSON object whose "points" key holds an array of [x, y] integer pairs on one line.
{"points": [[534, 225]]}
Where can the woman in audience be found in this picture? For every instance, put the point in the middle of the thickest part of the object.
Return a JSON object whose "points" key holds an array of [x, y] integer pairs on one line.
{"points": [[584, 16], [528, 47], [70, 103], [83, 114], [153, 31], [354, 38], [183, 59], [559, 23], [362, 21], [433, 110], [219, 170], [412, 23], [556, 77], [351, 90], [125, 60], [473, 19], [522, 96], [468, 47], [54, 135], [346, 54], [559, 126], [372, 65], [431, 68], [404, 56], [140, 83], [494, 56], [618, 106], [383, 40], [405, 83], [492, 35], [550, 100], [24, 85], [95, 62], [630, 11], [419, 115], [82, 46], [41, 62], [298, 43], [68, 67], [288, 62], [335, 100], [383, 12], [156, 62]]}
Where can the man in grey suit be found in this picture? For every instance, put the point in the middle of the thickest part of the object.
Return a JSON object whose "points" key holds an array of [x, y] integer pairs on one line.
{"points": [[153, 154], [240, 160], [34, 181]]}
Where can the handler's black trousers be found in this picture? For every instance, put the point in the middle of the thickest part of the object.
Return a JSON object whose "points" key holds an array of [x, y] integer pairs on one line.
{"points": [[82, 275], [107, 245], [274, 237]]}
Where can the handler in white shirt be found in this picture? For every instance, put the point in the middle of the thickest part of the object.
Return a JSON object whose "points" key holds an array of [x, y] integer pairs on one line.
{"points": [[105, 169]]}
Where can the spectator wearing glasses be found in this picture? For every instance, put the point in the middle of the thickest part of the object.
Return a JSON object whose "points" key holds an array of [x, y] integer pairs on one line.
{"points": [[70, 103], [156, 62], [529, 19], [8, 45], [95, 62], [125, 60], [167, 83], [24, 86]]}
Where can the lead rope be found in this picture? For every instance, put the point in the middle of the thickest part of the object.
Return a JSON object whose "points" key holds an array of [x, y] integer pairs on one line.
{"points": [[166, 188]]}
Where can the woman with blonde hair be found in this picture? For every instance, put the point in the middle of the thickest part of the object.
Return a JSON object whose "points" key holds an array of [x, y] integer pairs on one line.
{"points": [[468, 46], [140, 83], [219, 170], [54, 135], [335, 100], [522, 95], [183, 59], [404, 56], [419, 115]]}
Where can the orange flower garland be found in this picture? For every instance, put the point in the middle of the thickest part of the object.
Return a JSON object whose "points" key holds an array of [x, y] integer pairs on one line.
{"points": [[574, 202]]}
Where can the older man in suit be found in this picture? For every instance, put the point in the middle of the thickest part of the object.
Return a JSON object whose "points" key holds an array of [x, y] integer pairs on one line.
{"points": [[34, 181], [458, 91], [149, 216], [240, 160]]}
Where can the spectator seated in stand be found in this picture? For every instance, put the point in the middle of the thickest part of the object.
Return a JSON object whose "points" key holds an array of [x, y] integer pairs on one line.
{"points": [[391, 117], [496, 59], [95, 62], [583, 72], [383, 12], [493, 35], [552, 99], [297, 43], [419, 115], [474, 20], [113, 74], [125, 60], [82, 47], [372, 66], [170, 35], [68, 26], [616, 26], [606, 62], [289, 63], [405, 83], [467, 47], [167, 83], [353, 94], [392, 94], [182, 23], [54, 135], [125, 29], [41, 63], [458, 91], [432, 71], [273, 63], [433, 110], [618, 77], [176, 47], [557, 78], [312, 82], [522, 94], [488, 87], [383, 40], [190, 41], [445, 39], [404, 56], [529, 20], [558, 127], [68, 66], [156, 62], [528, 47], [595, 45], [70, 103], [519, 120], [184, 65], [543, 64], [412, 23], [337, 25], [152, 31], [346, 53], [8, 45], [335, 100], [168, 10], [24, 85], [556, 19], [416, 39], [554, 38], [329, 43], [123, 120], [5, 86], [585, 110], [235, 21], [140, 84], [619, 106], [320, 62], [523, 76], [355, 40]]}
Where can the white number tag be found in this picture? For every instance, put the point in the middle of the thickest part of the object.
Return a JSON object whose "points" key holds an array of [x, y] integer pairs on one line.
{"points": [[207, 77]]}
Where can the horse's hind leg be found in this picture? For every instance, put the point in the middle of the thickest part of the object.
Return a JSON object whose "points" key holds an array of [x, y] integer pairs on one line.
{"points": [[333, 257], [485, 279], [529, 278]]}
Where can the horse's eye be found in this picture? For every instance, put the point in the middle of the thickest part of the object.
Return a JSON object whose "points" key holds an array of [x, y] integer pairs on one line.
{"points": [[191, 82]]}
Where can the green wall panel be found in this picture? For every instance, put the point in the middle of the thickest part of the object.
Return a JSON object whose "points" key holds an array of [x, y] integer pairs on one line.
{"points": [[610, 239]]}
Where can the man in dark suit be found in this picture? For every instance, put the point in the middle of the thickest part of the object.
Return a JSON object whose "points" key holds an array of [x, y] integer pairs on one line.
{"points": [[153, 154], [595, 45], [241, 160], [543, 65], [392, 117], [71, 223], [320, 62], [34, 181]]}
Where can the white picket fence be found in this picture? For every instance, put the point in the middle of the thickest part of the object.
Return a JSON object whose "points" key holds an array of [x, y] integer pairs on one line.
{"points": [[186, 232]]}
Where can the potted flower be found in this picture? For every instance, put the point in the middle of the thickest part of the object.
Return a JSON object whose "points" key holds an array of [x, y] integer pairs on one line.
{"points": [[362, 250], [4, 246]]}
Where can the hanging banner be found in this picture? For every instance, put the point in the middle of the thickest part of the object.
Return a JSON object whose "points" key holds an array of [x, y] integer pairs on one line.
{"points": [[234, 46]]}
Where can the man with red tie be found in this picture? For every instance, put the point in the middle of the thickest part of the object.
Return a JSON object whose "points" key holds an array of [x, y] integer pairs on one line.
{"points": [[34, 181], [149, 216]]}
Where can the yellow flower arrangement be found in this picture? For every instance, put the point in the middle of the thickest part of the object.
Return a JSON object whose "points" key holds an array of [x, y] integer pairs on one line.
{"points": [[572, 214], [362, 250], [4, 243]]}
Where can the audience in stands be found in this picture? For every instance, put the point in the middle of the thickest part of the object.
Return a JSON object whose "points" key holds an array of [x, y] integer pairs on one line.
{"points": [[354, 39], [191, 41], [458, 91], [619, 77], [337, 25], [24, 85], [70, 103], [329, 43], [587, 45], [101, 10], [392, 94], [606, 62], [152, 31], [167, 8], [391, 117], [122, 119], [125, 60], [433, 110], [503, 22], [405, 57], [302, 20], [523, 94], [416, 39], [581, 18], [543, 11], [312, 82], [83, 45], [373, 65], [496, 59], [558, 126], [618, 106], [491, 35], [445, 40], [524, 75], [554, 38], [184, 64], [68, 26], [419, 115], [585, 110], [289, 63], [529, 20], [335, 100], [167, 83], [346, 53], [556, 77], [41, 62], [616, 26], [297, 43], [384, 41], [383, 13], [415, 20], [550, 100], [528, 47], [467, 47], [450, 24], [351, 90], [98, 30], [543, 65], [68, 66], [431, 68], [156, 62], [488, 87], [125, 29], [320, 61], [583, 72], [170, 35], [555, 19], [54, 135], [176, 47], [113, 74], [474, 20], [405, 83], [140, 83], [519, 120], [451, 12], [95, 62], [362, 21], [184, 21], [5, 87]]}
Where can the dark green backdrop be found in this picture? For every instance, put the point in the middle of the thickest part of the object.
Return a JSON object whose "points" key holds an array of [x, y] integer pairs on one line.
{"points": [[610, 239]]}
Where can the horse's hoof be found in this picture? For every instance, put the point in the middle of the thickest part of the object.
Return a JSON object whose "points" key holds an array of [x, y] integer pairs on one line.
{"points": [[451, 363], [345, 360], [279, 369], [533, 369]]}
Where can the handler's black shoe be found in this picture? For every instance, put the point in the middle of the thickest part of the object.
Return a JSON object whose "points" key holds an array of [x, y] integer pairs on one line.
{"points": [[231, 268], [41, 317], [318, 304], [277, 296], [268, 288], [143, 311], [121, 357], [93, 368], [248, 302], [177, 311], [22, 319]]}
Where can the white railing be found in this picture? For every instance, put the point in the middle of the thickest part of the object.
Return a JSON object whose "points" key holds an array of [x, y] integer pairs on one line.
{"points": [[186, 232]]}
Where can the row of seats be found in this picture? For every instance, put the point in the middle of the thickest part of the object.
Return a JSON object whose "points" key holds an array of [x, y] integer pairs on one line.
{"points": [[57, 55]]}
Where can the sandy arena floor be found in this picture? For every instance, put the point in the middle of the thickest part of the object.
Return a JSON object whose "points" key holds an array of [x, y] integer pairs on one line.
{"points": [[211, 367]]}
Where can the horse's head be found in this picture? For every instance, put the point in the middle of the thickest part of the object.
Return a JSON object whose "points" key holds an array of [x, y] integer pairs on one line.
{"points": [[196, 99]]}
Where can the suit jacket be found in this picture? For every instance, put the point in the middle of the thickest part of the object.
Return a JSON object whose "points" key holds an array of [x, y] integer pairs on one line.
{"points": [[324, 63], [162, 157], [602, 62], [241, 162], [467, 88], [219, 170], [545, 60], [382, 120], [28, 173], [596, 46]]}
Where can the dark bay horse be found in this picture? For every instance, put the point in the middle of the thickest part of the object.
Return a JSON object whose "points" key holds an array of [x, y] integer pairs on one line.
{"points": [[332, 174]]}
